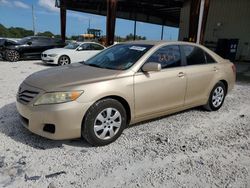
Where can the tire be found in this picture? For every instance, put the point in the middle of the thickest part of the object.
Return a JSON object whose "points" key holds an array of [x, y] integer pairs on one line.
{"points": [[12, 55], [99, 128], [63, 60], [216, 98]]}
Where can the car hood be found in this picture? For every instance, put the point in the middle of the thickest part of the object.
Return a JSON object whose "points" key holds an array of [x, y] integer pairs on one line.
{"points": [[58, 51], [73, 76]]}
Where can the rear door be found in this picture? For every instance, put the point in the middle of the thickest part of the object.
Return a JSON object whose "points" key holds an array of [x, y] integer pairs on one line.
{"points": [[157, 92], [200, 69]]}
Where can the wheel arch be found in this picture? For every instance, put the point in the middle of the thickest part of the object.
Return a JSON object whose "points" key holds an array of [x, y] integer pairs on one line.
{"points": [[124, 103], [119, 99], [225, 84]]}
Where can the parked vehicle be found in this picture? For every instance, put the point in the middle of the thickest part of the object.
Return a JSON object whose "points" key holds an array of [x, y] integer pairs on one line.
{"points": [[122, 85], [72, 53], [4, 42], [29, 47]]}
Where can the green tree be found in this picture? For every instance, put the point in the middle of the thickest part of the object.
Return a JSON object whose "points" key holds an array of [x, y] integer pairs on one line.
{"points": [[45, 34], [137, 37]]}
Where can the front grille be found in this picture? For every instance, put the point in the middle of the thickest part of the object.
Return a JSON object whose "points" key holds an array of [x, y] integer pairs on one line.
{"points": [[44, 55], [25, 96]]}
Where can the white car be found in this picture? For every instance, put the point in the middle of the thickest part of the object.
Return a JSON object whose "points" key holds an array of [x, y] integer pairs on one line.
{"points": [[72, 53]]}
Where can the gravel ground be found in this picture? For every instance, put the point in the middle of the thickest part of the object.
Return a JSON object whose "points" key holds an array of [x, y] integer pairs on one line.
{"points": [[193, 148]]}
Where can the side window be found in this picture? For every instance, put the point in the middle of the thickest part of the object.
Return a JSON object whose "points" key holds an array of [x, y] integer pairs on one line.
{"points": [[45, 41], [167, 56], [194, 55], [85, 46], [209, 59], [35, 41], [96, 47]]}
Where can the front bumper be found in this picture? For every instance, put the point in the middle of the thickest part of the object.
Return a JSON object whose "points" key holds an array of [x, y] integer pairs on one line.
{"points": [[47, 59], [66, 118]]}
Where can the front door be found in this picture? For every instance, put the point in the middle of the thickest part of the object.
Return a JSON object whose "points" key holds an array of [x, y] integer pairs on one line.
{"points": [[83, 53], [156, 92]]}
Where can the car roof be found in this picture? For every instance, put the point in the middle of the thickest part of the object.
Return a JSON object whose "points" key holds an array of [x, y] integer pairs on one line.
{"points": [[87, 42], [161, 42]]}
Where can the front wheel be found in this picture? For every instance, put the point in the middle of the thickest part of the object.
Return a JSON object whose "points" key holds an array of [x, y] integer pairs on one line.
{"points": [[217, 97], [63, 60], [104, 122], [12, 55]]}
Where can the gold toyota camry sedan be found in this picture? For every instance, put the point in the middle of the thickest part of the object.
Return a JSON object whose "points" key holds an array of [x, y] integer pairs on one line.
{"points": [[122, 85]]}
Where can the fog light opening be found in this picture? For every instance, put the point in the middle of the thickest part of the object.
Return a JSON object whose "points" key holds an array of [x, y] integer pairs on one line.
{"points": [[51, 128]]}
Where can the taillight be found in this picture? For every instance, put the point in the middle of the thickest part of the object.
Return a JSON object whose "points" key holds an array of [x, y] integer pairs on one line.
{"points": [[234, 68]]}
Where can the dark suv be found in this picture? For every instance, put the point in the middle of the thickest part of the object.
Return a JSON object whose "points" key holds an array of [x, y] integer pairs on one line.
{"points": [[29, 47]]}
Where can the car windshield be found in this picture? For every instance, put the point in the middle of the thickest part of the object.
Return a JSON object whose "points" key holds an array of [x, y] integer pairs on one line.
{"points": [[72, 45], [24, 40], [119, 57]]}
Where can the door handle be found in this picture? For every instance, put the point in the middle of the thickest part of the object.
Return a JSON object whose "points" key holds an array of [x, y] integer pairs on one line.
{"points": [[216, 69], [181, 74]]}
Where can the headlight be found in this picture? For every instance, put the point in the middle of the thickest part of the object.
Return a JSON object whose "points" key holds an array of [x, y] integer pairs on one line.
{"points": [[58, 97], [52, 55]]}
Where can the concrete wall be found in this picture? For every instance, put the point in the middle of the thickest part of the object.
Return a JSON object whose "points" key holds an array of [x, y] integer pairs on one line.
{"points": [[226, 19]]}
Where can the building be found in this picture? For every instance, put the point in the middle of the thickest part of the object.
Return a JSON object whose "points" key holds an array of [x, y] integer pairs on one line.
{"points": [[226, 19], [222, 25]]}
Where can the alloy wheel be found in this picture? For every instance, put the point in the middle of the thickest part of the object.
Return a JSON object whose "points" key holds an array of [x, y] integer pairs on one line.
{"points": [[218, 96], [13, 55], [64, 60], [107, 123]]}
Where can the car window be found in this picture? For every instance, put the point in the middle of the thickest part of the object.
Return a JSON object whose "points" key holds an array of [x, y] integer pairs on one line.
{"points": [[43, 41], [35, 41], [194, 55], [85, 46], [167, 56], [209, 58], [118, 57], [72, 46], [96, 47]]}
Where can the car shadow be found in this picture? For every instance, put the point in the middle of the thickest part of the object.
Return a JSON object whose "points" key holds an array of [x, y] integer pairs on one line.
{"points": [[11, 126], [46, 64]]}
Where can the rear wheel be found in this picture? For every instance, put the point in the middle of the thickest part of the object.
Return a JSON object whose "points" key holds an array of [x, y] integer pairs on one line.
{"points": [[104, 122], [12, 55], [63, 60], [217, 97]]}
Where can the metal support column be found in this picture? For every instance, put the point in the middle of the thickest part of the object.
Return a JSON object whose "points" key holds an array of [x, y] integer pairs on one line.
{"points": [[110, 23], [200, 21], [204, 21], [63, 23], [162, 31], [135, 29], [193, 20]]}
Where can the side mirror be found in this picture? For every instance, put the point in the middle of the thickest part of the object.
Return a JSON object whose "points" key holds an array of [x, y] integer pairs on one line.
{"points": [[80, 49], [151, 66], [29, 43]]}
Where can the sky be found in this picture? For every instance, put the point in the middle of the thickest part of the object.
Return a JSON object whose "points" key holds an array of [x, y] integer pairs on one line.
{"points": [[18, 13]]}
